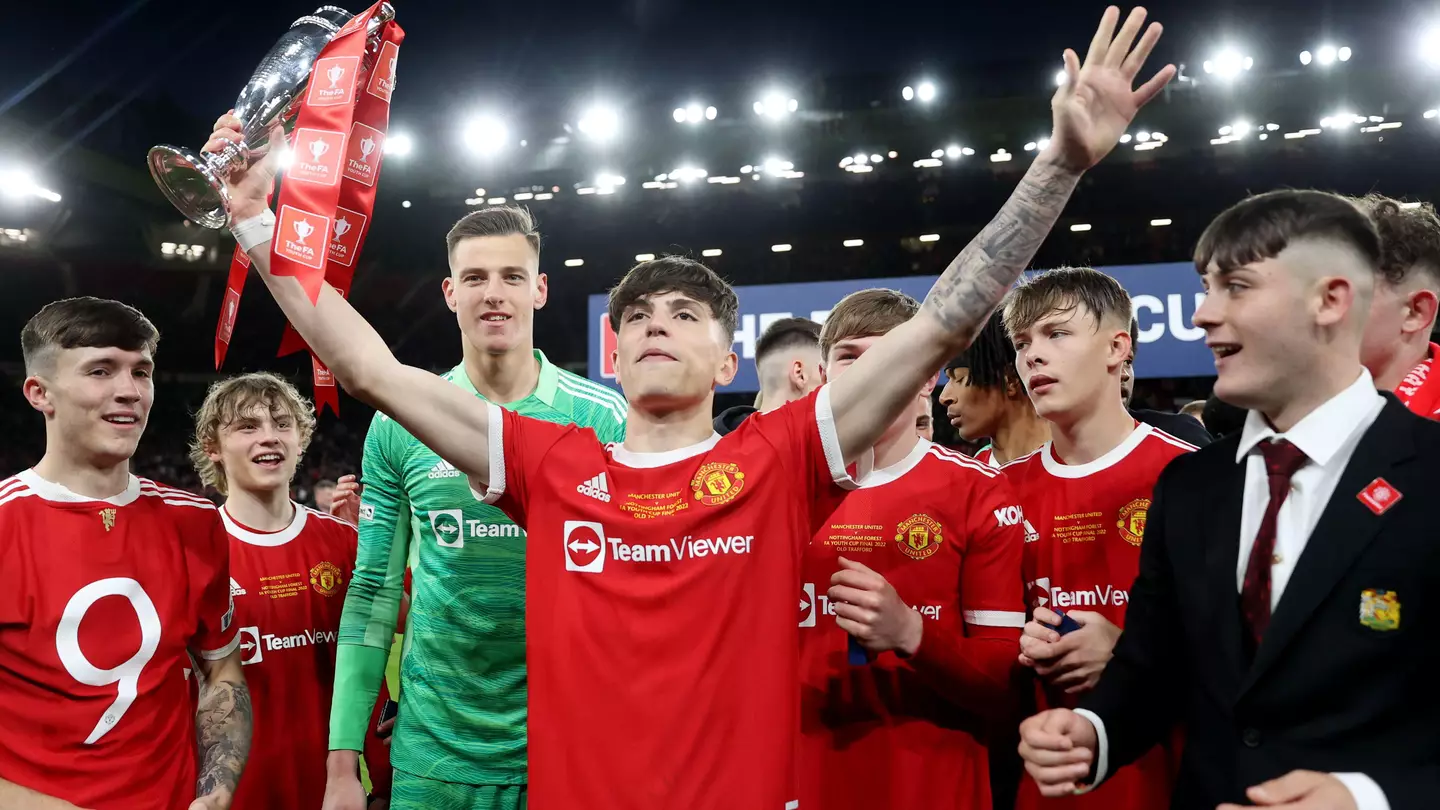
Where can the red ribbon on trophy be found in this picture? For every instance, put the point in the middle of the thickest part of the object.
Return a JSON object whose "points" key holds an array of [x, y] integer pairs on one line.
{"points": [[328, 195]]}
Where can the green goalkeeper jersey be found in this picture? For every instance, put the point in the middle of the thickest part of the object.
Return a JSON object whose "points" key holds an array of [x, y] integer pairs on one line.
{"points": [[462, 671]]}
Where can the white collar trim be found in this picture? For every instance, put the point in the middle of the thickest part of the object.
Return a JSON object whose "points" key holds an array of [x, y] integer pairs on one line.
{"points": [[1110, 459], [269, 539], [51, 491], [881, 477], [645, 461]]}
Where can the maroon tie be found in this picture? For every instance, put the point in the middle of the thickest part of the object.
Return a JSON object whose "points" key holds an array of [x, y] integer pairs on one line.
{"points": [[1282, 460]]}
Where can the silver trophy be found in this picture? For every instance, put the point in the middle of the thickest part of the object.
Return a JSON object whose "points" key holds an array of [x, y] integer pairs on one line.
{"points": [[195, 182]]}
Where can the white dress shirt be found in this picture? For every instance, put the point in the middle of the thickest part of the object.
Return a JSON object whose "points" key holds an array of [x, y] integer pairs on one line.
{"points": [[1328, 436]]}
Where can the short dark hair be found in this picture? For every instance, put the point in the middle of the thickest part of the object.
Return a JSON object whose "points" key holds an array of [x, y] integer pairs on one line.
{"points": [[1221, 418], [1409, 238], [87, 322], [678, 274], [866, 313], [325, 482], [1062, 290], [1259, 227], [989, 358], [1134, 338], [505, 220], [787, 333]]}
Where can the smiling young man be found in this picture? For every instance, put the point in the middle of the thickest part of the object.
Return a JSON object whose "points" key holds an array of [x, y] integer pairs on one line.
{"points": [[109, 585], [910, 614], [1085, 493], [985, 398], [460, 735], [289, 566], [648, 606]]}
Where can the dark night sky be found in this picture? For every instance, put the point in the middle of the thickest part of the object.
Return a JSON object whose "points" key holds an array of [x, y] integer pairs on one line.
{"points": [[550, 55]]}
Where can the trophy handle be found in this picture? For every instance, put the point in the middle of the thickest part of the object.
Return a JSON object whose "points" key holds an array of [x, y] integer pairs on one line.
{"points": [[192, 183]]}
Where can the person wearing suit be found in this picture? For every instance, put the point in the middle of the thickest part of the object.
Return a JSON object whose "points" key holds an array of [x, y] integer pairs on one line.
{"points": [[1289, 574]]}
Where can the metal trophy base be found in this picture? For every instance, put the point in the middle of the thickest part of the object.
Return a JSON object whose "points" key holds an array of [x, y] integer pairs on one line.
{"points": [[192, 184]]}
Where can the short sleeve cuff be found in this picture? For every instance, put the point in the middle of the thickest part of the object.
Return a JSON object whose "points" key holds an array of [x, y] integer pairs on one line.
{"points": [[1364, 790], [830, 441], [995, 618], [495, 487], [223, 652], [1102, 753]]}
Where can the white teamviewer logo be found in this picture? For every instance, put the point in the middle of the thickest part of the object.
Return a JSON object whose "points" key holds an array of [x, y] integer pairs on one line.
{"points": [[812, 604], [1097, 596], [254, 644], [587, 547]]}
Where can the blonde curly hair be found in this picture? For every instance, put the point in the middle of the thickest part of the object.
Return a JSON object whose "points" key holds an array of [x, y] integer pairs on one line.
{"points": [[232, 399]]}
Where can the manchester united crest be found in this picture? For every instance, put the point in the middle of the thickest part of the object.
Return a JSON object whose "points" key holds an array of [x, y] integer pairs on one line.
{"points": [[919, 536], [1380, 609], [717, 483], [1132, 520], [326, 579], [107, 518]]}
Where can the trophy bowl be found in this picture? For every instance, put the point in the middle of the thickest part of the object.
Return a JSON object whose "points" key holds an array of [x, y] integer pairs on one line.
{"points": [[194, 182]]}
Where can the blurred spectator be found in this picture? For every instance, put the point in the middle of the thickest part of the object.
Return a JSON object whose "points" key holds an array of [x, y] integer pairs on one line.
{"points": [[1195, 408], [324, 492], [1222, 418]]}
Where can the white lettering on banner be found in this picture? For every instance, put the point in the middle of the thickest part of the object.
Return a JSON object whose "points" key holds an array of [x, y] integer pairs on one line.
{"points": [[1092, 597], [1173, 307], [126, 674], [1008, 516]]}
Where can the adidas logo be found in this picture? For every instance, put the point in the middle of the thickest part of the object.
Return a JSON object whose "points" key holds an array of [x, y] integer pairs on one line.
{"points": [[235, 589], [595, 488], [444, 470], [1031, 536]]}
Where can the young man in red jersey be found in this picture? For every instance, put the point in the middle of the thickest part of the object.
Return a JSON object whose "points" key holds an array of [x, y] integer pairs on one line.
{"points": [[1397, 347], [651, 604], [985, 398], [911, 610], [289, 566], [1085, 493], [107, 583]]}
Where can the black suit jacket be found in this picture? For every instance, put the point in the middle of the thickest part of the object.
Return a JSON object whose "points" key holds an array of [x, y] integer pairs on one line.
{"points": [[1325, 692]]}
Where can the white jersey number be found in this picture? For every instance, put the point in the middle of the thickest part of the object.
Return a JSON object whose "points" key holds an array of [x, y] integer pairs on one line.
{"points": [[127, 675]]}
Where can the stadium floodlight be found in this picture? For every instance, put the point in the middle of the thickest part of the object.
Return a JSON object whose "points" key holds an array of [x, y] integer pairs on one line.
{"points": [[892, 154], [486, 135], [1126, 138], [600, 123], [495, 201], [644, 257], [876, 158], [1080, 227], [574, 262], [711, 253], [1060, 77], [1228, 64], [908, 93], [1000, 156], [774, 165], [854, 243], [1142, 136], [953, 151], [1159, 223], [524, 196], [929, 237], [925, 92], [399, 144], [608, 180], [779, 248], [19, 184], [404, 203], [1306, 58], [689, 174], [1344, 53], [1430, 46], [694, 113], [775, 105], [1326, 55]]}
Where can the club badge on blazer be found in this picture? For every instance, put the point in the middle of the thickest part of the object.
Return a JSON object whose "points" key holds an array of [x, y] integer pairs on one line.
{"points": [[1379, 609], [1380, 496]]}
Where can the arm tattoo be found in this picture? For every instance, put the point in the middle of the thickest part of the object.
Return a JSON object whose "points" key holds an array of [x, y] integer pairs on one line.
{"points": [[223, 725], [975, 282]]}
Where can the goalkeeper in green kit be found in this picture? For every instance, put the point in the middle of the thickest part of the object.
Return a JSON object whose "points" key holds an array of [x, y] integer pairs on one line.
{"points": [[459, 740]]}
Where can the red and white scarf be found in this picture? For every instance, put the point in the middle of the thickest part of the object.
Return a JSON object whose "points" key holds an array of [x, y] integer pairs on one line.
{"points": [[1419, 391]]}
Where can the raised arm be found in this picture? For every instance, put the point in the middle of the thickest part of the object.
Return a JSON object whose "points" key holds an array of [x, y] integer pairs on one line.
{"points": [[446, 419], [1090, 112]]}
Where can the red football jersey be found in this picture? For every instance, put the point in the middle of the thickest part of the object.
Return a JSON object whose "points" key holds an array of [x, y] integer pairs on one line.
{"points": [[660, 606], [986, 456], [289, 589], [945, 532], [1082, 550], [99, 603]]}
